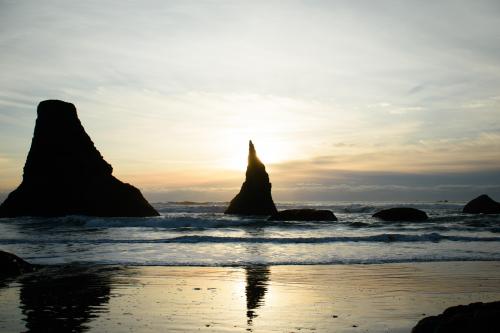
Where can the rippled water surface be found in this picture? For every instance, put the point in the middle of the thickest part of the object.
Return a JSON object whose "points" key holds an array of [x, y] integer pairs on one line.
{"points": [[200, 234]]}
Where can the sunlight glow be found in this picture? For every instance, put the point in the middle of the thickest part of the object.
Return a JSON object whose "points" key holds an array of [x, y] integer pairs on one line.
{"points": [[270, 150], [171, 94]]}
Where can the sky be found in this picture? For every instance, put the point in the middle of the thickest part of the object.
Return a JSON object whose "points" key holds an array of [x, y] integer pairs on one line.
{"points": [[344, 100]]}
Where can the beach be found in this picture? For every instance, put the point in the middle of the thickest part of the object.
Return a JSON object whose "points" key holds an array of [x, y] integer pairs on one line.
{"points": [[258, 298], [250, 166], [196, 269]]}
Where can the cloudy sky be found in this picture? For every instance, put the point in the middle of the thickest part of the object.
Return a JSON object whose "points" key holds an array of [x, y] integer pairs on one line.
{"points": [[344, 100]]}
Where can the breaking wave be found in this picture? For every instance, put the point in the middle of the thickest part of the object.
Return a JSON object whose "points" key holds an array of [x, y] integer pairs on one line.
{"points": [[385, 238]]}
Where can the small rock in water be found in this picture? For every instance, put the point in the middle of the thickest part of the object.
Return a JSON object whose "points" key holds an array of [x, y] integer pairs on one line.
{"points": [[12, 265], [483, 204], [401, 214], [304, 215]]}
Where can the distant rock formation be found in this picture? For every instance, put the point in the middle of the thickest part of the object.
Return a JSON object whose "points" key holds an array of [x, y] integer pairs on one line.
{"points": [[476, 317], [12, 265], [401, 214], [304, 215], [65, 174], [255, 194], [483, 204]]}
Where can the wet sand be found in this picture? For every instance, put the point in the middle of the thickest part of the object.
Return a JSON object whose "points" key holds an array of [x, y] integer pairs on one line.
{"points": [[329, 298]]}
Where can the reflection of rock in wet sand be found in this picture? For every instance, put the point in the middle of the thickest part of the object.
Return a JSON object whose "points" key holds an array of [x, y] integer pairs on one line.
{"points": [[63, 299], [257, 278]]}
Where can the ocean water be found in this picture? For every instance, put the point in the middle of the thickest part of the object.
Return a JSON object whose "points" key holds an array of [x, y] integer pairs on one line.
{"points": [[199, 234]]}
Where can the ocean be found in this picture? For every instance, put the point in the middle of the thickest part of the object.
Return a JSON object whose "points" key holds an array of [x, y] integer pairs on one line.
{"points": [[199, 234]]}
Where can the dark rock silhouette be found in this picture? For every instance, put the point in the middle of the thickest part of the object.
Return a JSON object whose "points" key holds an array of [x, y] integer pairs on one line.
{"points": [[475, 317], [483, 204], [12, 265], [401, 214], [255, 194], [65, 174], [304, 215]]}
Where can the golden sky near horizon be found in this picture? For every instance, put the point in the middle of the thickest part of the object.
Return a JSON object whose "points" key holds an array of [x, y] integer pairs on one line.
{"points": [[171, 92]]}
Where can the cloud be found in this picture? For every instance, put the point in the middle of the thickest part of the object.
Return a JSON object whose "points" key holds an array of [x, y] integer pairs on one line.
{"points": [[171, 91], [360, 186]]}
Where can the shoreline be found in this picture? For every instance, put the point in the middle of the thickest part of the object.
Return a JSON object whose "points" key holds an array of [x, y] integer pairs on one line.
{"points": [[258, 298], [244, 265]]}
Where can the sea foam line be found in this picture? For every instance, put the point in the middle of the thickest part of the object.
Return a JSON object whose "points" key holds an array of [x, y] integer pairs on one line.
{"points": [[195, 239]]}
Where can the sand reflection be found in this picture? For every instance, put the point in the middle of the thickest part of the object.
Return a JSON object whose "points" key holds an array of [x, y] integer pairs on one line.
{"points": [[335, 298], [64, 300], [257, 279]]}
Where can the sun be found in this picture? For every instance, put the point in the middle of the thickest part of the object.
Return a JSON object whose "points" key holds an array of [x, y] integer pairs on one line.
{"points": [[272, 123], [270, 150]]}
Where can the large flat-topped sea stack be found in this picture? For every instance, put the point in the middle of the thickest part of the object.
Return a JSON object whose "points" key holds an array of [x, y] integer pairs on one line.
{"points": [[65, 174], [255, 194]]}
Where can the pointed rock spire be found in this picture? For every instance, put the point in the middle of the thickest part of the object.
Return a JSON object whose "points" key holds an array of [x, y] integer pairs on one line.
{"points": [[252, 154], [255, 194], [65, 174]]}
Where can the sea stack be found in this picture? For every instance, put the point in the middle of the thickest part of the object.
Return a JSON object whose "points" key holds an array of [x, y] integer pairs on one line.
{"points": [[255, 194], [65, 174]]}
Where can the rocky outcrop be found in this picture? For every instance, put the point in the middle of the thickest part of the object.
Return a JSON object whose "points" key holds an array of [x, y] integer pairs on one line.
{"points": [[65, 174], [483, 204], [401, 214], [255, 194], [304, 215], [472, 318], [12, 265]]}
